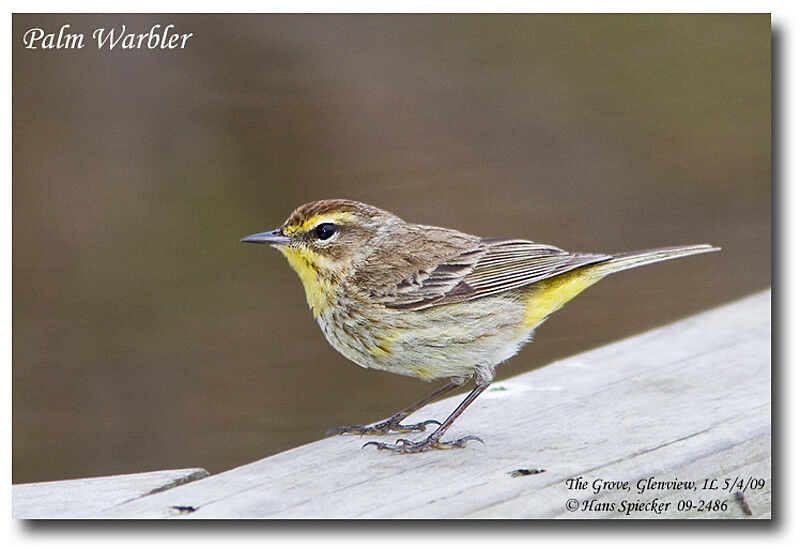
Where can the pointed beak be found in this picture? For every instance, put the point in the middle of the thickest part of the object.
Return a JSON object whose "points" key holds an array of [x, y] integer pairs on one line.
{"points": [[275, 237]]}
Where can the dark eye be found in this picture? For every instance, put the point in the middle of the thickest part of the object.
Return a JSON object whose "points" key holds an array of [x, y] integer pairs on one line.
{"points": [[325, 230]]}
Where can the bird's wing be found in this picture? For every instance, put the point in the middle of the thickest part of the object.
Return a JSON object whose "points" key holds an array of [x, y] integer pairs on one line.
{"points": [[493, 266]]}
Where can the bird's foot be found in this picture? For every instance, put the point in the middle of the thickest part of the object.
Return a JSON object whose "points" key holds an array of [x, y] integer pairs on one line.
{"points": [[381, 428], [404, 446]]}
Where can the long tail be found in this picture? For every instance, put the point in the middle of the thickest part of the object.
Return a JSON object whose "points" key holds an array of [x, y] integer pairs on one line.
{"points": [[634, 259]]}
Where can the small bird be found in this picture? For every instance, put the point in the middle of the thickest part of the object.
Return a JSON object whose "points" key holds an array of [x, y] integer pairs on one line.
{"points": [[431, 302]]}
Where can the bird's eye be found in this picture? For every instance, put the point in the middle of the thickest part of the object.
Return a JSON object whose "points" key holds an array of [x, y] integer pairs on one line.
{"points": [[325, 230]]}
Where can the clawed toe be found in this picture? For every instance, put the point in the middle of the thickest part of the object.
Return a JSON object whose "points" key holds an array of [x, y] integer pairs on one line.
{"points": [[377, 429], [462, 442], [421, 426], [381, 428], [345, 430], [404, 446], [380, 446]]}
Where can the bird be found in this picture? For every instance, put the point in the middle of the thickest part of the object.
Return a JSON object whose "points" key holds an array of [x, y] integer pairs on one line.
{"points": [[429, 302]]}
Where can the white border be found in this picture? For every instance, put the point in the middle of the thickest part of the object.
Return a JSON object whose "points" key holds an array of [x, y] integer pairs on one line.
{"points": [[785, 20]]}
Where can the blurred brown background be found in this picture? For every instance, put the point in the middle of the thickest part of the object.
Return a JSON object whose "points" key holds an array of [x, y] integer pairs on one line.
{"points": [[146, 337]]}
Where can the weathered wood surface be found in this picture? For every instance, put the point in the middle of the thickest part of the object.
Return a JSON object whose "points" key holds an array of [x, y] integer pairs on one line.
{"points": [[689, 401], [82, 498]]}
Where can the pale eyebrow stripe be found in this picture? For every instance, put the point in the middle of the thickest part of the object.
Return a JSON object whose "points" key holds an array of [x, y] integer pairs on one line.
{"points": [[340, 217]]}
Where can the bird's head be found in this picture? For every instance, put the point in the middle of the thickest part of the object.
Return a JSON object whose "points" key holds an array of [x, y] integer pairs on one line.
{"points": [[324, 241]]}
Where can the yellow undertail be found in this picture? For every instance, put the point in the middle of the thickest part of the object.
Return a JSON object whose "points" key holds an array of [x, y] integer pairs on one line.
{"points": [[548, 296]]}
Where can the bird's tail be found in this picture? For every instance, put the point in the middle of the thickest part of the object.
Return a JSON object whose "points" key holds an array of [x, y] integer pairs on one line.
{"points": [[634, 259]]}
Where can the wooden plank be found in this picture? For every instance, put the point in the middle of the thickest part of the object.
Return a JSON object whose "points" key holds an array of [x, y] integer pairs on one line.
{"points": [[689, 401], [685, 460], [84, 498]]}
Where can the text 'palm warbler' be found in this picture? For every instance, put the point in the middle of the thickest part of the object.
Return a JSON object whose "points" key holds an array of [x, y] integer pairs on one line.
{"points": [[431, 302]]}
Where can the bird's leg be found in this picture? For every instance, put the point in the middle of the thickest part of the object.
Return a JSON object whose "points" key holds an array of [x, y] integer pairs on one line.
{"points": [[483, 379], [393, 422]]}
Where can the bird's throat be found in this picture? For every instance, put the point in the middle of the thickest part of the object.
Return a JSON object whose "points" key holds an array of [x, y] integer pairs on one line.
{"points": [[319, 289]]}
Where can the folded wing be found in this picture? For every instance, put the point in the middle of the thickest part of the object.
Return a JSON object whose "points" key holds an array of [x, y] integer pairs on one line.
{"points": [[491, 267]]}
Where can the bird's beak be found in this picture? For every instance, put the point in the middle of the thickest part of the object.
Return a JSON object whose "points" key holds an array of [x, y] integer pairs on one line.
{"points": [[275, 237]]}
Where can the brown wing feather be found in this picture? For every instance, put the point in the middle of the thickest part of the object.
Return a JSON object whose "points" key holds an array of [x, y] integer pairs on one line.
{"points": [[490, 267]]}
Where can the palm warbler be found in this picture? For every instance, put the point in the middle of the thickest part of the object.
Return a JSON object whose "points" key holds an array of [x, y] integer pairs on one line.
{"points": [[431, 302]]}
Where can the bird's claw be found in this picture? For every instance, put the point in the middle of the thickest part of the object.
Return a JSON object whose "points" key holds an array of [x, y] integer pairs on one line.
{"points": [[404, 446], [381, 428], [421, 426]]}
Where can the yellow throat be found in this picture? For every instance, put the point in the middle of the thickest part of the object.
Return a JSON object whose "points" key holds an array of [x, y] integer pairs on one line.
{"points": [[319, 289]]}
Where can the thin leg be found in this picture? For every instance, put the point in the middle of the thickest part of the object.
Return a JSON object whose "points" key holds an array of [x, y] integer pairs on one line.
{"points": [[404, 446], [393, 423]]}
